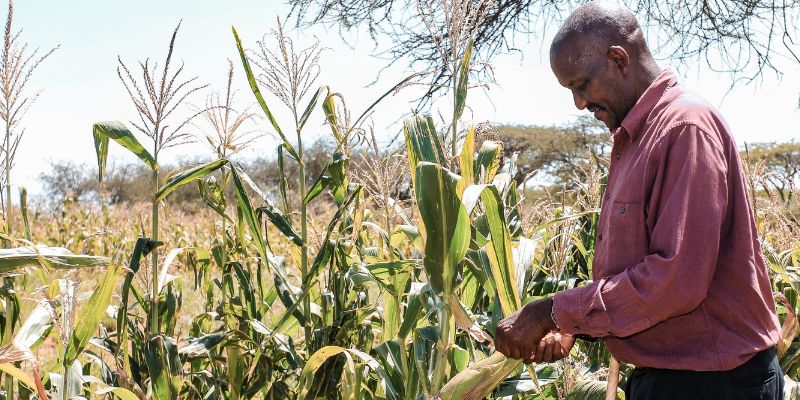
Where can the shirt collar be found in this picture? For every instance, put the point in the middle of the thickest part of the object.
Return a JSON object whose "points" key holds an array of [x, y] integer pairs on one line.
{"points": [[632, 123]]}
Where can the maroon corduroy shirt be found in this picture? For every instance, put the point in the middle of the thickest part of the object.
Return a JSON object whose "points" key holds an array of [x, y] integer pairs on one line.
{"points": [[679, 280]]}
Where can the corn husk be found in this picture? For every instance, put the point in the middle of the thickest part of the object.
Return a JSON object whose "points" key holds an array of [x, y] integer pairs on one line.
{"points": [[479, 379]]}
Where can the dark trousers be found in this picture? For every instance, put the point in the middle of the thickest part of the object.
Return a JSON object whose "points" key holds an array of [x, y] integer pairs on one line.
{"points": [[759, 378]]}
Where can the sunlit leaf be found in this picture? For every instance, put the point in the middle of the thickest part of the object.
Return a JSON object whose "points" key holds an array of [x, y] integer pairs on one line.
{"points": [[187, 176], [118, 132]]}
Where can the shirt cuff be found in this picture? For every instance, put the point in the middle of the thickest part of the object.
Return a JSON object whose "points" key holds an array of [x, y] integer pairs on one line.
{"points": [[580, 311]]}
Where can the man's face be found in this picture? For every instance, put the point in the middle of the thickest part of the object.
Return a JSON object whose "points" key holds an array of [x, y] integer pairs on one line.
{"points": [[596, 82]]}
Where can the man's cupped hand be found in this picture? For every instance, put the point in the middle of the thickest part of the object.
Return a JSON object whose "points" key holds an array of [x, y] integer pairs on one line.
{"points": [[531, 335]]}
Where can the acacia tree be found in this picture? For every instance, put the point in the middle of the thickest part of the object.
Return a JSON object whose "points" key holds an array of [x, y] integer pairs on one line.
{"points": [[739, 37], [780, 163], [562, 152]]}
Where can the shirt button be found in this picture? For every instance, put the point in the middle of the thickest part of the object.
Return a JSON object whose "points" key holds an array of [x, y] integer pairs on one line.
{"points": [[617, 156], [622, 210], [577, 328], [600, 237]]}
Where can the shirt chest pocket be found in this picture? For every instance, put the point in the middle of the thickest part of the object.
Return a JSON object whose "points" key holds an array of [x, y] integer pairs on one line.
{"points": [[624, 237]]}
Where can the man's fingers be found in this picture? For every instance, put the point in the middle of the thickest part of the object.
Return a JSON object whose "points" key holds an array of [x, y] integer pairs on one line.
{"points": [[549, 349], [502, 348], [528, 360], [540, 349]]}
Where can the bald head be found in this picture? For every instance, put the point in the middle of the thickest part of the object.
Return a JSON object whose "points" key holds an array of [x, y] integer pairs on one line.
{"points": [[600, 55], [594, 27]]}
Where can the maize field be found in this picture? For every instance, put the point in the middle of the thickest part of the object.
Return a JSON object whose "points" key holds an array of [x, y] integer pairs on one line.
{"points": [[382, 279]]}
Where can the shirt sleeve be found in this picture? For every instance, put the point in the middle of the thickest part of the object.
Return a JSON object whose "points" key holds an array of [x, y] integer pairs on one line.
{"points": [[675, 275]]}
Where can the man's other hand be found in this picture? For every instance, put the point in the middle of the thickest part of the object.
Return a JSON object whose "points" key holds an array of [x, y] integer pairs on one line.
{"points": [[553, 347], [519, 335]]}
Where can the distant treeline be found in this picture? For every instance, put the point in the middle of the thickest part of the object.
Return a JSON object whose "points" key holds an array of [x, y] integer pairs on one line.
{"points": [[561, 156]]}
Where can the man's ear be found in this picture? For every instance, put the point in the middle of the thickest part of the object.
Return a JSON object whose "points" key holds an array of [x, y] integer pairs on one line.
{"points": [[619, 57]]}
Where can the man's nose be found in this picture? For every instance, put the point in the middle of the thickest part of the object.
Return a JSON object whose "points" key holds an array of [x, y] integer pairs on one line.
{"points": [[580, 101]]}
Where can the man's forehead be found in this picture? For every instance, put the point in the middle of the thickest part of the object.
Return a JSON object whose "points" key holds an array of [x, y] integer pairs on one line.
{"points": [[568, 61]]}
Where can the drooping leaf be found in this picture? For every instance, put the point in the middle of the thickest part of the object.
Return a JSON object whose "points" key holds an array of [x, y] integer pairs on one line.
{"points": [[19, 375], [332, 177], [329, 108], [213, 195], [187, 176], [281, 221], [35, 327], [101, 151], [245, 207], [200, 347], [49, 257], [118, 132]]}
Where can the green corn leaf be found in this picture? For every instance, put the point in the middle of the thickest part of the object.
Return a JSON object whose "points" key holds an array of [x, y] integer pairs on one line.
{"points": [[289, 295], [187, 176], [244, 206], [329, 108], [500, 253], [392, 275], [479, 379], [200, 347], [101, 151], [324, 254], [320, 356], [164, 367], [488, 161], [321, 92], [412, 315], [251, 79], [446, 223], [283, 184], [460, 358], [332, 177], [498, 248], [389, 355], [463, 82], [118, 132], [91, 313], [142, 248], [44, 256], [212, 195], [422, 142]]}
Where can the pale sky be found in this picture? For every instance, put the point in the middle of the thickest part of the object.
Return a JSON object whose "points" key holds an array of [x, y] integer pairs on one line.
{"points": [[80, 85]]}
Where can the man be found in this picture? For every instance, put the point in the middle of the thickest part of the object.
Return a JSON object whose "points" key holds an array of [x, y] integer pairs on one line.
{"points": [[680, 288]]}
